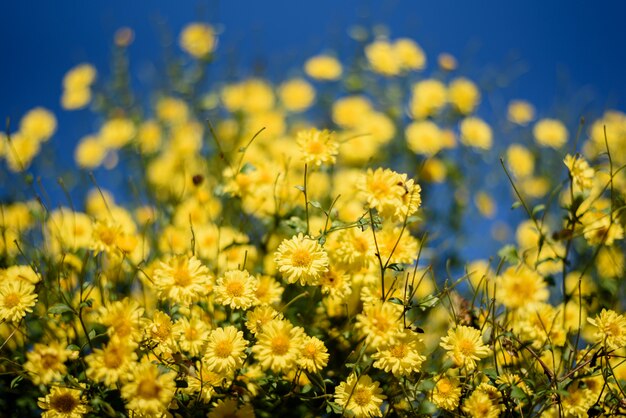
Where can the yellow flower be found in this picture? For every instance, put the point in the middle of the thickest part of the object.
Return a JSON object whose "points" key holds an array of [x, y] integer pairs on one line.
{"points": [[582, 174], [38, 124], [313, 355], [425, 138], [46, 362], [229, 408], [197, 39], [382, 58], [323, 67], [550, 133], [191, 334], [123, 318], [76, 98], [485, 204], [302, 259], [349, 112], [390, 193], [17, 298], [464, 346], [20, 152], [268, 291], [520, 112], [90, 152], [379, 322], [401, 355], [172, 111], [520, 160], [81, 76], [447, 62], [318, 147], [111, 363], [429, 97], [447, 393], [520, 286], [611, 329], [236, 288], [225, 351], [182, 279], [117, 132], [476, 133], [261, 315], [278, 345], [62, 402], [482, 404], [149, 392], [296, 95], [360, 397], [409, 54], [464, 95]]}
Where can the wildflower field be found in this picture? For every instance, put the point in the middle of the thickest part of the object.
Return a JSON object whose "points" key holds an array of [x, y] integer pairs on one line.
{"points": [[298, 246]]}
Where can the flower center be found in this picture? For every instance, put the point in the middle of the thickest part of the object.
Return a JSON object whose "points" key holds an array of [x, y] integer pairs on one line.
{"points": [[301, 258], [235, 288], [11, 300], [361, 396], [223, 348], [148, 389], [310, 351], [63, 403], [280, 345], [466, 347], [182, 277], [112, 358], [49, 360], [399, 351]]}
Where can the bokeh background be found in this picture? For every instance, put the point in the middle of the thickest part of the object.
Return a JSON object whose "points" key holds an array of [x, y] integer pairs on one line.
{"points": [[565, 57]]}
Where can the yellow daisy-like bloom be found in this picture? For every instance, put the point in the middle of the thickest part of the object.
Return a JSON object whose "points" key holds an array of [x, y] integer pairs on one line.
{"points": [[229, 408], [429, 97], [191, 334], [111, 363], [318, 147], [269, 291], [237, 289], [464, 346], [117, 132], [382, 58], [336, 283], [402, 355], [38, 124], [90, 152], [46, 362], [81, 76], [480, 405], [17, 298], [149, 392], [550, 133], [520, 112], [425, 138], [302, 259], [464, 95], [520, 286], [123, 318], [360, 397], [159, 331], [62, 402], [323, 67], [447, 393], [197, 39], [182, 279], [296, 95], [390, 193], [611, 329], [520, 160], [379, 322], [278, 345], [582, 174], [313, 355], [225, 351], [476, 133], [261, 315]]}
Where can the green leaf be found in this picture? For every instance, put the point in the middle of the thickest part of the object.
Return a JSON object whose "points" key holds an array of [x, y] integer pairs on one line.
{"points": [[397, 301], [516, 204], [16, 381], [59, 308], [73, 347], [509, 253], [301, 188], [247, 168], [315, 204], [538, 209]]}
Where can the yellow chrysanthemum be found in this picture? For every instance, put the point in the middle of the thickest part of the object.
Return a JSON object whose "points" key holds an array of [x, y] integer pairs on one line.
{"points": [[402, 355], [197, 39], [360, 397], [318, 147], [225, 351], [611, 329], [111, 363], [550, 133], [278, 345], [237, 289], [313, 355], [302, 259], [447, 393], [323, 67], [582, 174], [520, 286], [520, 112], [63, 402], [182, 279], [17, 298], [38, 124], [464, 346], [149, 392], [230, 408]]}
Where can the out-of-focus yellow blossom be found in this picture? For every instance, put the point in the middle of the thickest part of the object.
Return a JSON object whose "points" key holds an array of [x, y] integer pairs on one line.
{"points": [[198, 39], [318, 147], [149, 137], [392, 194], [463, 95], [81, 76], [117, 132], [550, 133], [39, 124], [149, 390], [296, 95], [428, 98], [90, 152], [447, 62], [615, 124], [476, 133], [382, 58], [485, 204], [250, 96], [520, 112], [20, 152], [425, 137], [76, 98], [348, 112], [409, 54], [520, 160], [323, 67], [582, 174], [434, 170], [610, 262], [172, 110]]}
